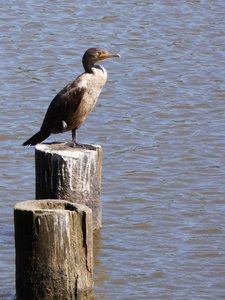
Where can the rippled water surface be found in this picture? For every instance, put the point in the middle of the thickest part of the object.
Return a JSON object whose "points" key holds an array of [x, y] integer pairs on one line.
{"points": [[160, 121]]}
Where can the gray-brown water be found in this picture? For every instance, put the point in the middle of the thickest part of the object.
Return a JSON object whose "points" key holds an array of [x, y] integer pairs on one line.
{"points": [[160, 121]]}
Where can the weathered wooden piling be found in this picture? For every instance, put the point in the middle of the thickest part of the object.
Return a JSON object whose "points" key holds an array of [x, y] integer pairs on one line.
{"points": [[72, 174], [54, 250]]}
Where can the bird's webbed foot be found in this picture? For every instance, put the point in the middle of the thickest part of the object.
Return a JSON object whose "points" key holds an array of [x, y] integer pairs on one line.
{"points": [[74, 144]]}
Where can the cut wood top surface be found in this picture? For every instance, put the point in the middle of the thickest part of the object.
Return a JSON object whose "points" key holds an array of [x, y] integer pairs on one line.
{"points": [[50, 205], [65, 150]]}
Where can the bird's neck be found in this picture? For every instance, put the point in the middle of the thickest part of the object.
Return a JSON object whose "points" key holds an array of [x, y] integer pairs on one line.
{"points": [[87, 64], [88, 68], [100, 74]]}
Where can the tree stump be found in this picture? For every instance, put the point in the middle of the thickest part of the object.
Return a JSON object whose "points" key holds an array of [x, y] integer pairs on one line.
{"points": [[54, 250], [72, 174]]}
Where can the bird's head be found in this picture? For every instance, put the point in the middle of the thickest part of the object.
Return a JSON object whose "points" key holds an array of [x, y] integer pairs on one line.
{"points": [[92, 55]]}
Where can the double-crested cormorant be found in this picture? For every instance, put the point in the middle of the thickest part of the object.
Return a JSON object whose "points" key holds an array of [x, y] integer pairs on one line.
{"points": [[70, 107]]}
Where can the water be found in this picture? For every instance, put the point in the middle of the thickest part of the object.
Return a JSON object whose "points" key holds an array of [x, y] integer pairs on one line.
{"points": [[160, 121]]}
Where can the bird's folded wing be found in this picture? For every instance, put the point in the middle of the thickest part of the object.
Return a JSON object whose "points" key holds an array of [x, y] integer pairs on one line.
{"points": [[65, 102]]}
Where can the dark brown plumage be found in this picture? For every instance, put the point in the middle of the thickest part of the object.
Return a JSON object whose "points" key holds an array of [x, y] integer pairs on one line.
{"points": [[70, 107]]}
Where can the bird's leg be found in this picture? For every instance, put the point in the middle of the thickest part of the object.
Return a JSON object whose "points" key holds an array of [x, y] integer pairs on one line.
{"points": [[74, 136], [74, 143]]}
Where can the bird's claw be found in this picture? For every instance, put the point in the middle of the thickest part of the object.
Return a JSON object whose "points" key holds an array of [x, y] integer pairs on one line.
{"points": [[73, 144]]}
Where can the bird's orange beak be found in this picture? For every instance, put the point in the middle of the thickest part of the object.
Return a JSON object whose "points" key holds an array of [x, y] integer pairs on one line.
{"points": [[105, 54]]}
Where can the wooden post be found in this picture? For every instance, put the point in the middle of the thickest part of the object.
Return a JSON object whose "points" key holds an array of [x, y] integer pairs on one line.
{"points": [[54, 250], [72, 174]]}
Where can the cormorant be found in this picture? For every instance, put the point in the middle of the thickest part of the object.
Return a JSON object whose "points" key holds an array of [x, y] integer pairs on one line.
{"points": [[70, 107]]}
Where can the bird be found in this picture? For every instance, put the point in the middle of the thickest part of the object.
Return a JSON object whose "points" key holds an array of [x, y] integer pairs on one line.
{"points": [[71, 106]]}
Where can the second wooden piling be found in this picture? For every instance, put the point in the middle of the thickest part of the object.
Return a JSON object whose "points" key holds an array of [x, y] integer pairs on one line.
{"points": [[54, 250]]}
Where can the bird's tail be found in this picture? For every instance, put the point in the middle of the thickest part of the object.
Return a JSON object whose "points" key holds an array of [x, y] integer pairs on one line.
{"points": [[37, 138]]}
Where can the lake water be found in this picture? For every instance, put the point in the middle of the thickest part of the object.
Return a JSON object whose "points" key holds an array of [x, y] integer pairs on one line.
{"points": [[160, 120]]}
